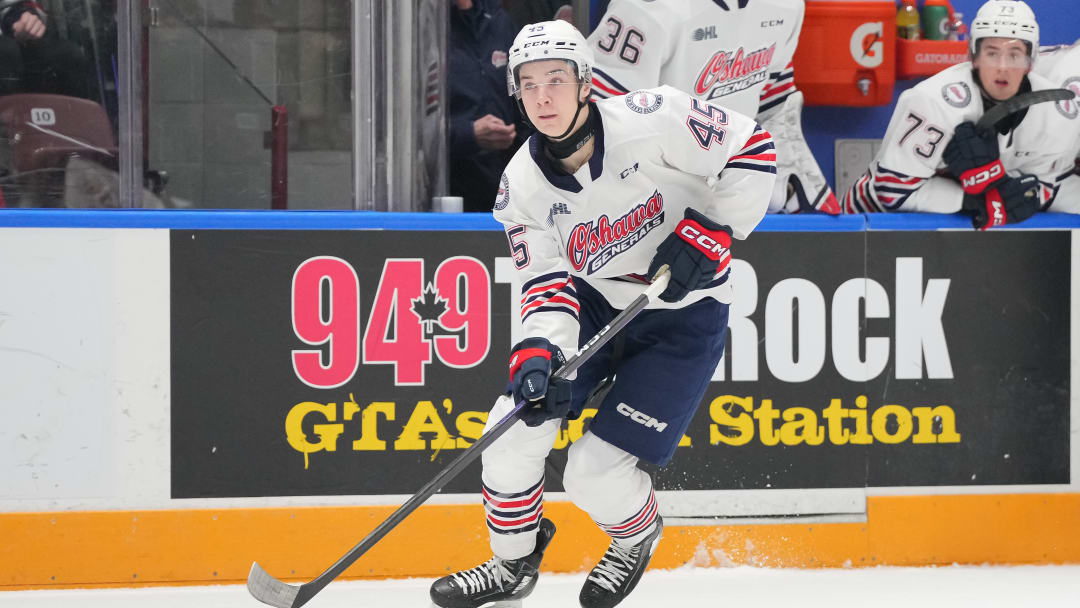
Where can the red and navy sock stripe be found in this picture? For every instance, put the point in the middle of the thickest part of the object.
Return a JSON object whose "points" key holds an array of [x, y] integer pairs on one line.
{"points": [[514, 512], [638, 523]]}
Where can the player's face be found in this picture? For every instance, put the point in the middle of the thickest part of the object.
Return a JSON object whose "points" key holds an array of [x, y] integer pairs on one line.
{"points": [[550, 94], [1002, 64]]}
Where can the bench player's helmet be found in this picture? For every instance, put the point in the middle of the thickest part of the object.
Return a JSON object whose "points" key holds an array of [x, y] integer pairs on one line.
{"points": [[1006, 19]]}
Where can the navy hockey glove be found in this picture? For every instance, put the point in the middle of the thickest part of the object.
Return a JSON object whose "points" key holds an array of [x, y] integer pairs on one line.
{"points": [[532, 362], [696, 252], [1011, 201], [973, 158]]}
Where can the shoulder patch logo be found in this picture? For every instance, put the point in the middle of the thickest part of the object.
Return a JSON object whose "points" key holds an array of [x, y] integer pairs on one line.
{"points": [[502, 199], [956, 94], [643, 102], [1069, 108]]}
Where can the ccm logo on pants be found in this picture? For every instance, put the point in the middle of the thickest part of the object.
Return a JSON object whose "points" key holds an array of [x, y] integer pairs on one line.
{"points": [[640, 418]]}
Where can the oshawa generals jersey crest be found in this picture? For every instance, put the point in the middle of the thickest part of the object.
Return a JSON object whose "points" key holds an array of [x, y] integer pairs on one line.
{"points": [[736, 53], [656, 153], [909, 173]]}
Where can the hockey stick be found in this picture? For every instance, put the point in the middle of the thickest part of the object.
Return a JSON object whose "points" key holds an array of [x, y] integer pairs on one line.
{"points": [[1020, 102], [273, 592]]}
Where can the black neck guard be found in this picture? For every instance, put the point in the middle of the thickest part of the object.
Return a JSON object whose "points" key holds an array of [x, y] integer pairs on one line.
{"points": [[568, 144]]}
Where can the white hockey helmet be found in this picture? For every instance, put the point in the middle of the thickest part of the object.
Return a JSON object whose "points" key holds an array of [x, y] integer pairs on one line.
{"points": [[1006, 19], [548, 40]]}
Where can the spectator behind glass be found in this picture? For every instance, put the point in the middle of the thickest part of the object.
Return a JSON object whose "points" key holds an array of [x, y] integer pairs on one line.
{"points": [[33, 59], [524, 12], [485, 126]]}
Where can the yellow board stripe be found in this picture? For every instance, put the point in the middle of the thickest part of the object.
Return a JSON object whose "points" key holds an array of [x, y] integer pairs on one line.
{"points": [[207, 546]]}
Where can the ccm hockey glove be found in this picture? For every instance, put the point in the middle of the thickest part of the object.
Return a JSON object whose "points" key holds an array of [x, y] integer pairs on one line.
{"points": [[696, 252], [1011, 201], [532, 362], [973, 158]]}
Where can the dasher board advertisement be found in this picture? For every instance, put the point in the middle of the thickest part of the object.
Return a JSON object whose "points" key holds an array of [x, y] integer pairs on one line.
{"points": [[361, 362]]}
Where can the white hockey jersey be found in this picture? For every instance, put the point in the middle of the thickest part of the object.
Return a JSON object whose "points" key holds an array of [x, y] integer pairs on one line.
{"points": [[731, 52], [909, 174], [656, 152], [1061, 66], [1058, 59]]}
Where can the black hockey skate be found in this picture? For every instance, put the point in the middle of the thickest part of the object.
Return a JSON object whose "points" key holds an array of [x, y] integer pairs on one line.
{"points": [[619, 571], [496, 580]]}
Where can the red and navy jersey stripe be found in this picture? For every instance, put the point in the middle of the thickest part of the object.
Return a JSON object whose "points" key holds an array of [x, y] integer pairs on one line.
{"points": [[551, 292], [604, 86], [1048, 192], [880, 189], [758, 154], [780, 85]]}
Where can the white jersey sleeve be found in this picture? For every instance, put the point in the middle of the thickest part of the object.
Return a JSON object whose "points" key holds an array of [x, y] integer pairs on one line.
{"points": [[903, 176], [631, 46], [1061, 66], [1058, 60], [549, 304], [731, 151]]}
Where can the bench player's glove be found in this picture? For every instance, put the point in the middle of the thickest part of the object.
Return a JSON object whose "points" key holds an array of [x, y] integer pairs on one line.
{"points": [[973, 158], [696, 252], [1012, 200], [532, 363]]}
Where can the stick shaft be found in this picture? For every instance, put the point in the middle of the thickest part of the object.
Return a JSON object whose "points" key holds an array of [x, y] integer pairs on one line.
{"points": [[308, 590]]}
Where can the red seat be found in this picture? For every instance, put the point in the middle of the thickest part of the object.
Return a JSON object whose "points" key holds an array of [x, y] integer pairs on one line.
{"points": [[43, 131]]}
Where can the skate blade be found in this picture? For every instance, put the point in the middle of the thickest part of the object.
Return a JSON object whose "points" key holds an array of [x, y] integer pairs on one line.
{"points": [[507, 604]]}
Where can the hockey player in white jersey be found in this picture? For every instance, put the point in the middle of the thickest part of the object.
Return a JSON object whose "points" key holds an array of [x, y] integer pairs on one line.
{"points": [[595, 203], [1061, 66], [737, 53], [934, 159]]}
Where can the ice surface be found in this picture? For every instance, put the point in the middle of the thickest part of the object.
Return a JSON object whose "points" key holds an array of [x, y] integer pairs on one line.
{"points": [[944, 587]]}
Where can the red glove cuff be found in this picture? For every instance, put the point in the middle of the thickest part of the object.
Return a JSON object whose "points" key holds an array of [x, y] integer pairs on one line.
{"points": [[520, 356], [715, 244], [977, 180], [995, 209]]}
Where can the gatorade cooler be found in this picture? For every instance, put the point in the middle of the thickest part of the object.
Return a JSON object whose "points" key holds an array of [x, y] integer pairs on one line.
{"points": [[920, 58], [847, 53]]}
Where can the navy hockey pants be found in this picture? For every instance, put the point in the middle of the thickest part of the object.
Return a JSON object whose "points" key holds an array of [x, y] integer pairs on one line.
{"points": [[668, 358]]}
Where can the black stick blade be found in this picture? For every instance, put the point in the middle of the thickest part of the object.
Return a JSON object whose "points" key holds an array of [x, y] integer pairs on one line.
{"points": [[270, 590]]}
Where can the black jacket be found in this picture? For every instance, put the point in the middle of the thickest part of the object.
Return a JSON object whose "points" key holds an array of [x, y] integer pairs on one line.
{"points": [[479, 41]]}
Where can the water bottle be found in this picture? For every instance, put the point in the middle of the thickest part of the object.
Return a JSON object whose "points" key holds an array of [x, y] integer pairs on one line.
{"points": [[907, 20], [935, 19], [958, 30]]}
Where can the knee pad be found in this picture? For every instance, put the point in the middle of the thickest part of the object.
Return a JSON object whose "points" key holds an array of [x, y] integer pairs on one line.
{"points": [[518, 456], [600, 478]]}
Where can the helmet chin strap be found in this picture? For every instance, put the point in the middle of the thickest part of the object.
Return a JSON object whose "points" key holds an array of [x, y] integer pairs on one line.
{"points": [[566, 144]]}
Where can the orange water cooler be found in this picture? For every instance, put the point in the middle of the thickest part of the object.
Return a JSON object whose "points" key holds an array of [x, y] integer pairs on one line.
{"points": [[847, 53]]}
